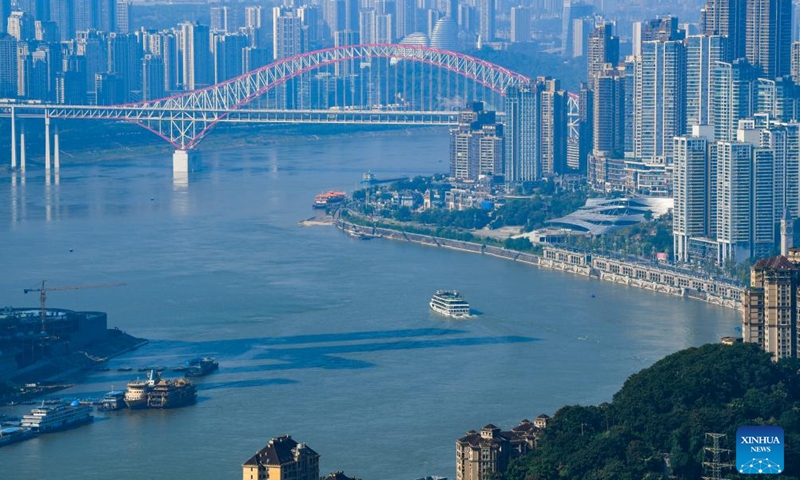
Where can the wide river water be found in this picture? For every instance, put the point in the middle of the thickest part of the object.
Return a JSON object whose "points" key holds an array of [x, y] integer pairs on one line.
{"points": [[318, 335]]}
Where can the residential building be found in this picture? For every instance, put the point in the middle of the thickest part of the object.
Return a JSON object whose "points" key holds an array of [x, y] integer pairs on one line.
{"points": [[282, 459], [486, 20], [702, 54], [734, 187], [727, 18], [522, 134], [659, 99], [769, 36], [476, 144], [771, 305], [690, 190], [63, 13], [733, 97], [603, 49], [479, 455], [520, 24], [196, 59], [8, 66], [5, 12]]}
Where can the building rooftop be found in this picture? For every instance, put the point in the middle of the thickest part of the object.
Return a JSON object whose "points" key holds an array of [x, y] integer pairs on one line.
{"points": [[279, 451]]}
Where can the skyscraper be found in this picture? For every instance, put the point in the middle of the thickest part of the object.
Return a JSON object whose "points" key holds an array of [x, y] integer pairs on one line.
{"points": [[486, 21], [5, 11], [603, 48], [733, 97], [196, 56], [152, 77], [287, 35], [476, 144], [521, 134], [659, 99], [122, 16], [769, 36], [552, 127], [62, 12], [727, 18], [219, 19], [734, 188], [8, 66], [702, 54], [690, 193], [608, 121], [520, 24]]}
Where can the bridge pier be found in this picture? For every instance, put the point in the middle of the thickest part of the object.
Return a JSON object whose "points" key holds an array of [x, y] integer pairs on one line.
{"points": [[185, 161], [13, 140], [22, 150], [46, 143], [56, 157]]}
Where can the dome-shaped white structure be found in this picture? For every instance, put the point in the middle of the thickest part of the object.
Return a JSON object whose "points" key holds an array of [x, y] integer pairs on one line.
{"points": [[445, 34]]}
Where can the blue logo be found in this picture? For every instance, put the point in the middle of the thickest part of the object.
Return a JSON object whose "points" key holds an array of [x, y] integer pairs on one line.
{"points": [[759, 450]]}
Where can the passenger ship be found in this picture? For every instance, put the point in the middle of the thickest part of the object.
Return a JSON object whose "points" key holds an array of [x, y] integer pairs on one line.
{"points": [[450, 303], [138, 391], [45, 419]]}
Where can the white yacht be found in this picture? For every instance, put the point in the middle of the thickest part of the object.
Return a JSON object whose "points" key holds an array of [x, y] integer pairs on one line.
{"points": [[450, 303], [46, 419]]}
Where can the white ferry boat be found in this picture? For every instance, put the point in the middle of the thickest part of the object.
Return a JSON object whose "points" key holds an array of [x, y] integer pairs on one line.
{"points": [[450, 303], [45, 419], [138, 391]]}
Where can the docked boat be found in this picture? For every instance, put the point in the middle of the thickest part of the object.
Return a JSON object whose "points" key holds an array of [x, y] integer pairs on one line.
{"points": [[327, 199], [201, 367], [45, 418], [113, 400], [450, 303], [138, 391], [172, 393], [15, 434]]}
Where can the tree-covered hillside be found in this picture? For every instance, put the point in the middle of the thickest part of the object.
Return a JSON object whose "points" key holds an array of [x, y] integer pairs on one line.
{"points": [[656, 424]]}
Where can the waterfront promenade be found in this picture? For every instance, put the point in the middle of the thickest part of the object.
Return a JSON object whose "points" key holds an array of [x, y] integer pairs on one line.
{"points": [[623, 270]]}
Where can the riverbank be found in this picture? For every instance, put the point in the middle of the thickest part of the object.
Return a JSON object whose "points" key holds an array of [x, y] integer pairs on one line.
{"points": [[621, 270]]}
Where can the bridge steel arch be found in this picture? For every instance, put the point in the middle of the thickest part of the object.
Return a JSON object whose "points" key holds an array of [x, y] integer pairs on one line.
{"points": [[184, 119]]}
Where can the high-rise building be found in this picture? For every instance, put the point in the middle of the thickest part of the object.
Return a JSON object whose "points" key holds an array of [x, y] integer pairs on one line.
{"points": [[5, 12], [520, 24], [603, 48], [228, 56], [38, 9], [661, 29], [106, 15], [46, 31], [795, 62], [125, 60], [733, 93], [727, 18], [784, 142], [770, 305], [702, 54], [21, 26], [152, 77], [405, 17], [521, 134], [734, 187], [197, 62], [122, 15], [476, 144], [85, 15], [282, 458], [608, 121], [63, 13], [255, 25], [659, 99], [769, 36], [690, 189], [552, 127], [288, 37], [573, 11], [8, 66], [486, 20], [220, 19]]}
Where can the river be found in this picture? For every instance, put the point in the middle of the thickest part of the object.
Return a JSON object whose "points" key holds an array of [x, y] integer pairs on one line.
{"points": [[318, 335]]}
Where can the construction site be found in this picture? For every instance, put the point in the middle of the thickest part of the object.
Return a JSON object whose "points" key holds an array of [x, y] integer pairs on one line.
{"points": [[50, 344]]}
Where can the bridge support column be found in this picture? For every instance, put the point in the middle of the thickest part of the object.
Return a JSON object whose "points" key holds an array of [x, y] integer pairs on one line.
{"points": [[13, 139], [185, 161], [22, 150], [47, 143], [56, 156]]}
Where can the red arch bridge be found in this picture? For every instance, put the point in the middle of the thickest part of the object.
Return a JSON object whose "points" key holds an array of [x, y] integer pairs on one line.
{"points": [[367, 84]]}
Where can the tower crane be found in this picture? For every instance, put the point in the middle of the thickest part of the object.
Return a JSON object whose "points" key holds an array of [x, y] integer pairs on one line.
{"points": [[43, 294]]}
